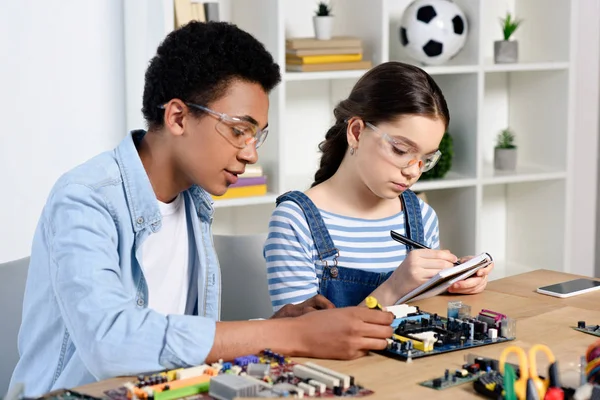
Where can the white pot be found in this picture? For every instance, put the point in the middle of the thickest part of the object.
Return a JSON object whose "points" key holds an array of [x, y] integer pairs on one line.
{"points": [[505, 159], [323, 27]]}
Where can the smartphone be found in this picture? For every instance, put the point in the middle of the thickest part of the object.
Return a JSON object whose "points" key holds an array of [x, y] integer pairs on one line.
{"points": [[570, 288]]}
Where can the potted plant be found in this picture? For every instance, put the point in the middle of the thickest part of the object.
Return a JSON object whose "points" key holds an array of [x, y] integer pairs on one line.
{"points": [[323, 21], [445, 162], [505, 153], [507, 51]]}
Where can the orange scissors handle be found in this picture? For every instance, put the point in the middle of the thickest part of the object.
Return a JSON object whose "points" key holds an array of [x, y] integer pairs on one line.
{"points": [[521, 383], [540, 384]]}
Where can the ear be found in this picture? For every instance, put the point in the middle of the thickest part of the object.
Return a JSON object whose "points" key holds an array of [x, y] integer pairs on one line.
{"points": [[175, 116], [353, 131]]}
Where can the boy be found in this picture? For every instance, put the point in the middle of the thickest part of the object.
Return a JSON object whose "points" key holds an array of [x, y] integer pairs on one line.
{"points": [[124, 278]]}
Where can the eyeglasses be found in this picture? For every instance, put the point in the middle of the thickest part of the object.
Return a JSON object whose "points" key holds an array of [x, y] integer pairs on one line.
{"points": [[402, 157], [237, 131]]}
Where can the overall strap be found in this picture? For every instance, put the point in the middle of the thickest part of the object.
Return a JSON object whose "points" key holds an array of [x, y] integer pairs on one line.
{"points": [[412, 216], [320, 234]]}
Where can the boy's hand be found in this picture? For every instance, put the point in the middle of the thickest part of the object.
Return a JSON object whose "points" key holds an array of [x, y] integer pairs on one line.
{"points": [[473, 284], [342, 333], [317, 302]]}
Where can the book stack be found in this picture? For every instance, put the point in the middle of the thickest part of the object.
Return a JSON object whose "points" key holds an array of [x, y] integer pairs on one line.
{"points": [[336, 54], [188, 10], [252, 182]]}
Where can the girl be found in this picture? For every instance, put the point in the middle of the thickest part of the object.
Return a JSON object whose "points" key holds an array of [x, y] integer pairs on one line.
{"points": [[334, 240]]}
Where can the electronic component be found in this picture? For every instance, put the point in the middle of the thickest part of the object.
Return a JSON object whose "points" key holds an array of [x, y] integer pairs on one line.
{"points": [[453, 308], [422, 334], [344, 379], [227, 387], [591, 329], [490, 385], [258, 370], [64, 394], [401, 310], [287, 390], [459, 377]]}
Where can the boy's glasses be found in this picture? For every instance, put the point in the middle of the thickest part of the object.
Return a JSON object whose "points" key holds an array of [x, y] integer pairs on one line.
{"points": [[237, 131], [402, 157]]}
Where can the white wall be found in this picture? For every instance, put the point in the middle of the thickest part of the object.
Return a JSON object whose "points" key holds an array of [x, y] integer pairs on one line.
{"points": [[587, 88], [62, 101]]}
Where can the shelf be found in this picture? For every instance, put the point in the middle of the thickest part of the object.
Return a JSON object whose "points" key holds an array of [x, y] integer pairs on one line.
{"points": [[523, 173], [534, 66], [450, 69], [452, 180], [269, 198], [322, 75]]}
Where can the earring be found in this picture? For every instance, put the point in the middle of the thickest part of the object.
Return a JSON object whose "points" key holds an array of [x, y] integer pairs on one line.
{"points": [[351, 150]]}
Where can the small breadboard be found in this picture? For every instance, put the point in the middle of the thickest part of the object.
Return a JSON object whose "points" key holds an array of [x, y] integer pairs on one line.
{"points": [[590, 329], [450, 380]]}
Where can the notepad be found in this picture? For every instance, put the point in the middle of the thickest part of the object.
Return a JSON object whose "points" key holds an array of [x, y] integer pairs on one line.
{"points": [[445, 278]]}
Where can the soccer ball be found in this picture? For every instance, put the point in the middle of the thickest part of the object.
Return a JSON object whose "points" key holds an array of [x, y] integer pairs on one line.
{"points": [[433, 31]]}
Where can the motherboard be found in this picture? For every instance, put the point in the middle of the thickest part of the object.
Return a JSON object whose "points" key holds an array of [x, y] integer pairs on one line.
{"points": [[419, 333], [267, 374]]}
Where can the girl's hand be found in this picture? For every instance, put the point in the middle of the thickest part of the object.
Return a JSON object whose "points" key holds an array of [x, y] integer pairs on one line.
{"points": [[418, 267], [317, 302], [475, 283]]}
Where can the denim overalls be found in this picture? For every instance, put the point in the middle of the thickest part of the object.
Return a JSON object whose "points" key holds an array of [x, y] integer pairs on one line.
{"points": [[349, 286]]}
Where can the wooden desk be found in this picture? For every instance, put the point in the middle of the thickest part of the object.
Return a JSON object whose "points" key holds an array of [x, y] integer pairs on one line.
{"points": [[540, 319], [524, 285]]}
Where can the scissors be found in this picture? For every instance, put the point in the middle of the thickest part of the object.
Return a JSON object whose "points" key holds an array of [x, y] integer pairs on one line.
{"points": [[530, 386]]}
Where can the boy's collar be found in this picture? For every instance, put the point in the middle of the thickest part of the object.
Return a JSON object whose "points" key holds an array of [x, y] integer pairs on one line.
{"points": [[143, 206]]}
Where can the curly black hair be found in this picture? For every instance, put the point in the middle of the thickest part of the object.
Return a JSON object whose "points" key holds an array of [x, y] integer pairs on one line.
{"points": [[198, 61]]}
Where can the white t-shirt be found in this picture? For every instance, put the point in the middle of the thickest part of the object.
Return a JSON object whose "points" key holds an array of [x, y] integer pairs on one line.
{"points": [[165, 260]]}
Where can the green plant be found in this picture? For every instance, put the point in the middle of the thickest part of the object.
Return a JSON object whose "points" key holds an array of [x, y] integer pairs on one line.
{"points": [[506, 139], [445, 162], [323, 9], [509, 25]]}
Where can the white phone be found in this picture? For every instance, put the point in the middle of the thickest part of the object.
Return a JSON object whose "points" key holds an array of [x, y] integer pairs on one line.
{"points": [[570, 288]]}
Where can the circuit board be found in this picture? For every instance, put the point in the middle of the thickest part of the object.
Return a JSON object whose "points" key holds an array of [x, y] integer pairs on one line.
{"points": [[450, 380], [64, 394], [591, 329], [264, 375], [420, 334]]}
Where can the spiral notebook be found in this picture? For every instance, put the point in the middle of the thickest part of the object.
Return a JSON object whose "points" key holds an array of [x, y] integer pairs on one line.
{"points": [[445, 278]]}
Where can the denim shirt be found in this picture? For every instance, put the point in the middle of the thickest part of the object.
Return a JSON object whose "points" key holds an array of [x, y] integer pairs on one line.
{"points": [[85, 315]]}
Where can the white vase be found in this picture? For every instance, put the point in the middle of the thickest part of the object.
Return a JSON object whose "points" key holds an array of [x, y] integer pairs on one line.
{"points": [[323, 27]]}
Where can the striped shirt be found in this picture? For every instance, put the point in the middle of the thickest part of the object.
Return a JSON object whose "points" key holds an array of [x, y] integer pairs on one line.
{"points": [[293, 266]]}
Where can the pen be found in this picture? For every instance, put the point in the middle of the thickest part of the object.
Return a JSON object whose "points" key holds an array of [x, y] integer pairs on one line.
{"points": [[403, 239]]}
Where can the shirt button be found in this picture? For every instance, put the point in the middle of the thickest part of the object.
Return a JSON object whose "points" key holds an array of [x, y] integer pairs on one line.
{"points": [[140, 302], [140, 220], [334, 272]]}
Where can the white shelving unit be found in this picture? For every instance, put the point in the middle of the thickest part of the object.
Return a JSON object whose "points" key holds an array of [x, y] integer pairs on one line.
{"points": [[519, 217]]}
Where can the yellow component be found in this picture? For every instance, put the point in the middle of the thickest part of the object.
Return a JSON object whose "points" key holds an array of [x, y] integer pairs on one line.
{"points": [[491, 386], [261, 360], [417, 344], [371, 302], [172, 374]]}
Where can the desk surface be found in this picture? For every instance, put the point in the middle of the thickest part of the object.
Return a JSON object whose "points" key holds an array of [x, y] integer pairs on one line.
{"points": [[540, 319]]}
